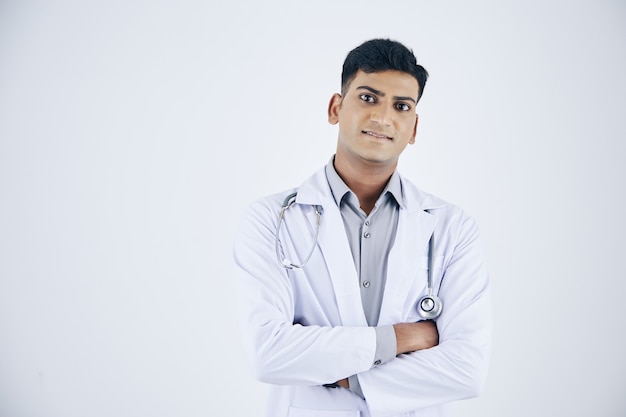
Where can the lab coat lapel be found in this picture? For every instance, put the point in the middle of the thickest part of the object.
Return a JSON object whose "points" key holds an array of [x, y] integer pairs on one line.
{"points": [[415, 226], [335, 249]]}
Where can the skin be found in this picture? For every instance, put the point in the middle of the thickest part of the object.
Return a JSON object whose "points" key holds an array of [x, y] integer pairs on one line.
{"points": [[376, 121]]}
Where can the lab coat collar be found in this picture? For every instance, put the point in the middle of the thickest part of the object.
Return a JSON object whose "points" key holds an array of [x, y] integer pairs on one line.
{"points": [[316, 191]]}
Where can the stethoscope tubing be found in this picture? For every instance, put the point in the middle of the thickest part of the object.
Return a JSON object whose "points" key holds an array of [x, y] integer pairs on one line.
{"points": [[285, 262]]}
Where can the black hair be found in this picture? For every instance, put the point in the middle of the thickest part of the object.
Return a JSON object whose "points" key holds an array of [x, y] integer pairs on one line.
{"points": [[378, 55]]}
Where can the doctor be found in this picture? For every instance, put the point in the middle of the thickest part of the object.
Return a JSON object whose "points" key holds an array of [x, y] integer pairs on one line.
{"points": [[330, 311]]}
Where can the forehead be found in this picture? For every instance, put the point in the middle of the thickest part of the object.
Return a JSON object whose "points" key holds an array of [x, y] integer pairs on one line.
{"points": [[390, 82]]}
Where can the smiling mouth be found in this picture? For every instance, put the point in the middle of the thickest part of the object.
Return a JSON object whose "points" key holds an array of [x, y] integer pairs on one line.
{"points": [[376, 135]]}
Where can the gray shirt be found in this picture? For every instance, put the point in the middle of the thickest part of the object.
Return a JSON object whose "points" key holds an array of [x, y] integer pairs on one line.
{"points": [[371, 238]]}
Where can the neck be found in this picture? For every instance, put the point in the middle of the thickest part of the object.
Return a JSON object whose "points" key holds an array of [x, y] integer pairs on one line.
{"points": [[366, 180]]}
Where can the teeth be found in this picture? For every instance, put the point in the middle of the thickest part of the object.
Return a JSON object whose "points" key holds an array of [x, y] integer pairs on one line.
{"points": [[377, 136]]}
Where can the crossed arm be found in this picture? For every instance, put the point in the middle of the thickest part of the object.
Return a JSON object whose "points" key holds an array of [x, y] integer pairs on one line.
{"points": [[410, 337]]}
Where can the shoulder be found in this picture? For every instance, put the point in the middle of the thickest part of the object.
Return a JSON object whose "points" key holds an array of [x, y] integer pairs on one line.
{"points": [[258, 221], [418, 199], [266, 209], [447, 213], [268, 205]]}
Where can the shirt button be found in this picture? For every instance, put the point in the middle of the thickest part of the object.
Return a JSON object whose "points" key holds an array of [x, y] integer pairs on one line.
{"points": [[367, 222], [366, 284], [377, 362], [367, 235]]}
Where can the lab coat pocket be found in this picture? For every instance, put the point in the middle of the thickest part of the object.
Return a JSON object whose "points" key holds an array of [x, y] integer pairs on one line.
{"points": [[419, 286], [301, 412]]}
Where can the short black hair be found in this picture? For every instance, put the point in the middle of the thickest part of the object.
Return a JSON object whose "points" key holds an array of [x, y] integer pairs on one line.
{"points": [[378, 55]]}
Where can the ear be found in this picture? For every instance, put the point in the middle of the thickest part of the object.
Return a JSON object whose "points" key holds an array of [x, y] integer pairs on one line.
{"points": [[333, 108], [412, 140]]}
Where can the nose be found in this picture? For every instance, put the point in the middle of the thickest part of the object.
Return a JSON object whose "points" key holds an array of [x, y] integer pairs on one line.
{"points": [[381, 115]]}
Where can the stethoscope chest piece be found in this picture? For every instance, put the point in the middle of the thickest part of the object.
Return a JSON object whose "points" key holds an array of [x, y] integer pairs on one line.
{"points": [[429, 307]]}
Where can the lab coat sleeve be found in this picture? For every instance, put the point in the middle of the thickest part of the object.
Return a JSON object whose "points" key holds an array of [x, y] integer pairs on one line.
{"points": [[457, 367], [278, 350]]}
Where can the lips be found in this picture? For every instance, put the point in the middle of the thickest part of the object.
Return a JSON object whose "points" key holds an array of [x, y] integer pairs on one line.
{"points": [[377, 135]]}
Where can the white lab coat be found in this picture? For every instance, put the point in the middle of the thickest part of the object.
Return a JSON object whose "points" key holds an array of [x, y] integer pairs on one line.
{"points": [[302, 328]]}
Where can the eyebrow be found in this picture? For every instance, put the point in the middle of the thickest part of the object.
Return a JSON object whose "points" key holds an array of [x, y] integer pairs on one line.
{"points": [[380, 93]]}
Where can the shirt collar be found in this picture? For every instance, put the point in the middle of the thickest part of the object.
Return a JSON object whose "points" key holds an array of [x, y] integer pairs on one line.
{"points": [[339, 188]]}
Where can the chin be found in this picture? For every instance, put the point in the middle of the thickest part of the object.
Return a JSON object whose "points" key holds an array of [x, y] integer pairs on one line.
{"points": [[378, 159]]}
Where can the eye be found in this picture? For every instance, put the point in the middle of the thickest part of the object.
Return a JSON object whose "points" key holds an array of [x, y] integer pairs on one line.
{"points": [[367, 98], [403, 107]]}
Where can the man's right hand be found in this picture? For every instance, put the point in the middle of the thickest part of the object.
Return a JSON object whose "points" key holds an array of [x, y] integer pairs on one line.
{"points": [[415, 336]]}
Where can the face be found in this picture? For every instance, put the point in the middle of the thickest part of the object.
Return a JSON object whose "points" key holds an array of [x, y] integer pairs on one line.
{"points": [[376, 118]]}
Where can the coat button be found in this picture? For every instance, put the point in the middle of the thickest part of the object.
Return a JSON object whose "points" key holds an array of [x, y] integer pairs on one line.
{"points": [[367, 235], [366, 284]]}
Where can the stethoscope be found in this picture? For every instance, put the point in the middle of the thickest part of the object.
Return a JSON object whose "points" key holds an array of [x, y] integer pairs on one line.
{"points": [[288, 202], [429, 306]]}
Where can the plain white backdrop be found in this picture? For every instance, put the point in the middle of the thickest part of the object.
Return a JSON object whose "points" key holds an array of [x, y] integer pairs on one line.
{"points": [[134, 133]]}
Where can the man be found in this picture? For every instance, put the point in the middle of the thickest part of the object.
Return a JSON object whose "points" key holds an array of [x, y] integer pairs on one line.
{"points": [[329, 291]]}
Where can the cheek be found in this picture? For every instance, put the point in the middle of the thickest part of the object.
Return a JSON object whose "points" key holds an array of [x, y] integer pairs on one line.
{"points": [[351, 124], [410, 125], [406, 129]]}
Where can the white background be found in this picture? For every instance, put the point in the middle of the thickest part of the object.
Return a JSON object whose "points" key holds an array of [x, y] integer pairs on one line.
{"points": [[134, 133]]}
